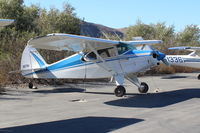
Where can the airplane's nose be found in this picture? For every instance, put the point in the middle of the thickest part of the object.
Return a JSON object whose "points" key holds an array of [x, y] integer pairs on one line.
{"points": [[158, 55]]}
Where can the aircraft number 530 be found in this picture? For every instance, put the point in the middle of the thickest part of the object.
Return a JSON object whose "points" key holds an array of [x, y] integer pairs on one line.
{"points": [[175, 59]]}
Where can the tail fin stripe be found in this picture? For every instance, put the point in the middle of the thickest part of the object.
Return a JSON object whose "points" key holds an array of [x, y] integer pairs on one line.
{"points": [[39, 61]]}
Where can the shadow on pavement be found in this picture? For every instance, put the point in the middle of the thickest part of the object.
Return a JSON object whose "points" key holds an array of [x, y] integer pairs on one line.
{"points": [[77, 125], [157, 100], [174, 77], [7, 98], [110, 93], [60, 90]]}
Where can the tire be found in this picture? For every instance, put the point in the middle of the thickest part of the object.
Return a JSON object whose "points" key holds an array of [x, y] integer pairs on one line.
{"points": [[143, 88], [30, 85], [120, 91], [198, 77]]}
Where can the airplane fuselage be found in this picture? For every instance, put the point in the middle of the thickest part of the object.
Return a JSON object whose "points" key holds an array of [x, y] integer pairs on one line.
{"points": [[73, 67]]}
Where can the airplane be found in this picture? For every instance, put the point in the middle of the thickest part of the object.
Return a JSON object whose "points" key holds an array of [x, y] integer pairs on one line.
{"points": [[5, 22], [191, 60], [95, 58]]}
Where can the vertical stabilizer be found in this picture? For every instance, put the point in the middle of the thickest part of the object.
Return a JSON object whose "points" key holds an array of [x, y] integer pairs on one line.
{"points": [[31, 60]]}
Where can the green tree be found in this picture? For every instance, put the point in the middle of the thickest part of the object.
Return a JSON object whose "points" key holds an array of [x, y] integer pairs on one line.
{"points": [[139, 29], [189, 36], [30, 22], [164, 33]]}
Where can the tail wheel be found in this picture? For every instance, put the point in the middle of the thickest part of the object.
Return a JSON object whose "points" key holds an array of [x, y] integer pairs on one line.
{"points": [[143, 88], [198, 77], [120, 91], [30, 85]]}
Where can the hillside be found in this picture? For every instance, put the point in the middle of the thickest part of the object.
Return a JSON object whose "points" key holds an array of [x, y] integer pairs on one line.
{"points": [[97, 30]]}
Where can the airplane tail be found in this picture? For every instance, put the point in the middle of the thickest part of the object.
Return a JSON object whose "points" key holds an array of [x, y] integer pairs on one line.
{"points": [[31, 61]]}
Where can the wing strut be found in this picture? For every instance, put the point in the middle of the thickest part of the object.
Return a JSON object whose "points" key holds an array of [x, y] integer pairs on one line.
{"points": [[133, 79]]}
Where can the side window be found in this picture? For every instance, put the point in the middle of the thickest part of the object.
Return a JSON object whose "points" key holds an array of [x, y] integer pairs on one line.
{"points": [[104, 53], [109, 52], [112, 52], [92, 56]]}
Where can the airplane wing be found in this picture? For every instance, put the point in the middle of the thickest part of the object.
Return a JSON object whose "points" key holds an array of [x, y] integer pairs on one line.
{"points": [[188, 48], [5, 22], [59, 41]]}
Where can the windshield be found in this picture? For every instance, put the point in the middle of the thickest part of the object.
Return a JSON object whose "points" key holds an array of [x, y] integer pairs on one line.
{"points": [[122, 48]]}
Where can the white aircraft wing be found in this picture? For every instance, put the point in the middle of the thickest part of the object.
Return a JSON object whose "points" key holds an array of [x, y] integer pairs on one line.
{"points": [[188, 48], [141, 42], [59, 41], [5, 22]]}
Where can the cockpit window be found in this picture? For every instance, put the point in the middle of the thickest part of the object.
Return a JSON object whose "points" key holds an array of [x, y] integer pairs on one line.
{"points": [[122, 48], [104, 53], [108, 52]]}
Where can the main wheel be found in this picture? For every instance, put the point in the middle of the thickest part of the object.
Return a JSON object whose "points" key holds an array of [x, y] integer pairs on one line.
{"points": [[198, 77], [143, 88], [120, 91]]}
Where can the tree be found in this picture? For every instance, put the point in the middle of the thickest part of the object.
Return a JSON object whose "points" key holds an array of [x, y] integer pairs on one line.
{"points": [[189, 36], [30, 22], [139, 29], [164, 33]]}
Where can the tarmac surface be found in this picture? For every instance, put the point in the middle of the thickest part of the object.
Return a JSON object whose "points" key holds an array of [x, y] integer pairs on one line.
{"points": [[69, 109]]}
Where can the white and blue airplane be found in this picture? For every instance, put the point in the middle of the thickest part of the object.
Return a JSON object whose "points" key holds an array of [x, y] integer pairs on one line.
{"points": [[191, 60], [5, 22], [95, 58]]}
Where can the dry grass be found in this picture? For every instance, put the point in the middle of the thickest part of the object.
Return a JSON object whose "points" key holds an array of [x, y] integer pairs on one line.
{"points": [[163, 69]]}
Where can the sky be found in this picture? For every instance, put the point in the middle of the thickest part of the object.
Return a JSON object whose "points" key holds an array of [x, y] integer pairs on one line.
{"points": [[123, 13]]}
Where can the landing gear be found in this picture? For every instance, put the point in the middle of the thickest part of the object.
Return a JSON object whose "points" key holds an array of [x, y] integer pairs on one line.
{"points": [[120, 91], [143, 88], [198, 77]]}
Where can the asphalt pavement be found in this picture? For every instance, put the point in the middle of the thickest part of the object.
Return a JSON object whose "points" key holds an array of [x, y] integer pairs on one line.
{"points": [[171, 105]]}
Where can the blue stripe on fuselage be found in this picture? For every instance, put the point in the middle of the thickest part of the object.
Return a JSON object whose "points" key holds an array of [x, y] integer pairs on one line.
{"points": [[74, 60]]}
